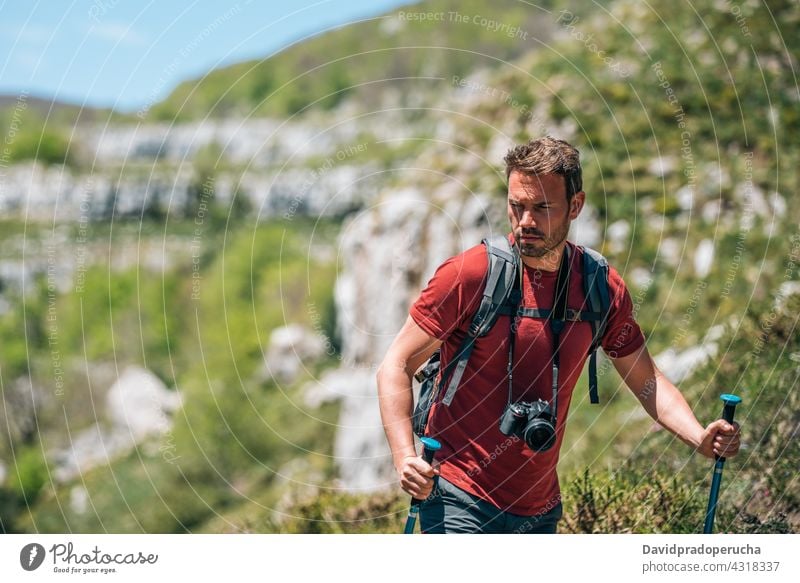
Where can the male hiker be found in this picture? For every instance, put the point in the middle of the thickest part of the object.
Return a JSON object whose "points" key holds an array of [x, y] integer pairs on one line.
{"points": [[501, 431]]}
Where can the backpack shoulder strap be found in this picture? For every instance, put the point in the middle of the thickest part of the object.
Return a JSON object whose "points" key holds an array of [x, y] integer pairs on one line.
{"points": [[501, 271], [598, 301], [499, 283]]}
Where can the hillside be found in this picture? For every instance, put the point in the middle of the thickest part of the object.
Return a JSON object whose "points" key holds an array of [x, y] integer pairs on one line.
{"points": [[320, 195], [659, 488], [393, 52]]}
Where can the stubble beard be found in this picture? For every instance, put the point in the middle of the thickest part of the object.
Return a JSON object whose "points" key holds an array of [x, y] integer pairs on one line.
{"points": [[545, 245]]}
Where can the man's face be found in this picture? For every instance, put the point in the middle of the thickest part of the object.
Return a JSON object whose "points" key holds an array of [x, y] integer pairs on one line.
{"points": [[539, 213]]}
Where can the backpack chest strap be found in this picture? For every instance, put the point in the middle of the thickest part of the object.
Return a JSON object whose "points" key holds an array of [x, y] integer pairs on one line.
{"points": [[544, 314]]}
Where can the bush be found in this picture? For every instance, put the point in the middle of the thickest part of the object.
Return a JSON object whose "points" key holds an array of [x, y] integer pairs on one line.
{"points": [[331, 512], [29, 475], [631, 501]]}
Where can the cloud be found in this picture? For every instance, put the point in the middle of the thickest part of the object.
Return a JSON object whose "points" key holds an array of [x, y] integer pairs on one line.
{"points": [[36, 34], [117, 32]]}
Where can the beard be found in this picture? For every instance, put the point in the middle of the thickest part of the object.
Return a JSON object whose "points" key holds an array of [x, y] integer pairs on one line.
{"points": [[542, 246]]}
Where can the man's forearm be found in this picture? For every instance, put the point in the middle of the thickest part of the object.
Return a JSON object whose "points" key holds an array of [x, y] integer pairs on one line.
{"points": [[396, 399], [668, 407]]}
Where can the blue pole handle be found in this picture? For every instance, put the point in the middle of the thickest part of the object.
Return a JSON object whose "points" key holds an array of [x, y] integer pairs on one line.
{"points": [[730, 406], [728, 410], [429, 448]]}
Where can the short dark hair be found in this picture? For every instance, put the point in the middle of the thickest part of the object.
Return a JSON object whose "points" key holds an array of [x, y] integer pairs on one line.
{"points": [[547, 155]]}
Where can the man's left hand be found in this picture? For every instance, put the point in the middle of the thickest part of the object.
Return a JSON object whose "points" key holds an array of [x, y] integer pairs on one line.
{"points": [[720, 438]]}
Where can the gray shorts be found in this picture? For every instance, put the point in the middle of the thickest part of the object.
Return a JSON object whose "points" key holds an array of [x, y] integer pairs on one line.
{"points": [[449, 509]]}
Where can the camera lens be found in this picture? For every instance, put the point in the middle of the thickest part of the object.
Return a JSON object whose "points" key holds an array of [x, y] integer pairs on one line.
{"points": [[540, 432], [540, 435]]}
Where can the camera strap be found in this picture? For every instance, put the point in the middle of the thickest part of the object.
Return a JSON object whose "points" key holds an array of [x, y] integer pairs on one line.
{"points": [[512, 329], [557, 318]]}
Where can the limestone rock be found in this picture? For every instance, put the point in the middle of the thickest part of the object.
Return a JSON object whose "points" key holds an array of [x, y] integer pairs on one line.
{"points": [[360, 449], [291, 349], [138, 407], [703, 258], [22, 400], [139, 402], [390, 252], [586, 229], [618, 234], [79, 499], [679, 365]]}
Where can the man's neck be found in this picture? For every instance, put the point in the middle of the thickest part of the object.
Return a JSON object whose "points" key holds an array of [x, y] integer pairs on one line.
{"points": [[550, 261]]}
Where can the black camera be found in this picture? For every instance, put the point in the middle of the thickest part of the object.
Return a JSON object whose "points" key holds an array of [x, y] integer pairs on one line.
{"points": [[533, 422]]}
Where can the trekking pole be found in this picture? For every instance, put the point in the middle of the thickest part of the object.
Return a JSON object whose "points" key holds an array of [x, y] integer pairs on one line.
{"points": [[430, 447], [727, 414]]}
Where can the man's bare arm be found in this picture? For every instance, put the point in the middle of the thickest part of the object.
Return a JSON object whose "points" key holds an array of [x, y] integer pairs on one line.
{"points": [[665, 403], [411, 348]]}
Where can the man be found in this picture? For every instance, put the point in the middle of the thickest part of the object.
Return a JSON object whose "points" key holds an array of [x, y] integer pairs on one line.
{"points": [[488, 481]]}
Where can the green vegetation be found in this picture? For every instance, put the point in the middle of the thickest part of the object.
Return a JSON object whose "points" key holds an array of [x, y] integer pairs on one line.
{"points": [[661, 487], [356, 61], [27, 136], [237, 429], [718, 106], [737, 100]]}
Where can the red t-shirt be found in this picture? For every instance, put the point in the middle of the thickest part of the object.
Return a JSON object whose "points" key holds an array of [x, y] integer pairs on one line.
{"points": [[475, 455]]}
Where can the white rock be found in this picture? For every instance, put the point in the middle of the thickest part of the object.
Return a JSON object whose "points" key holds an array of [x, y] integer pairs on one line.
{"points": [[752, 199], [710, 211], [291, 349], [141, 404], [787, 289], [685, 196], [716, 177], [23, 400], [778, 204], [586, 229], [498, 147], [326, 389], [88, 449], [640, 277], [139, 407], [661, 166], [79, 499], [618, 233], [677, 366], [360, 450], [703, 258], [391, 26], [670, 252], [389, 253], [715, 332]]}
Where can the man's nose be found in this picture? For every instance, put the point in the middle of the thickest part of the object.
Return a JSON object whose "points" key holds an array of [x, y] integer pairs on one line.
{"points": [[527, 220]]}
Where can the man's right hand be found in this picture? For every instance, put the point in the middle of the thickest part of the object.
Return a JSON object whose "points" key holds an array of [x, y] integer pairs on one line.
{"points": [[416, 476]]}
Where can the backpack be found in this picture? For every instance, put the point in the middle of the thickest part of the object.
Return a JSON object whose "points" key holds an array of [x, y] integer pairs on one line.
{"points": [[500, 297]]}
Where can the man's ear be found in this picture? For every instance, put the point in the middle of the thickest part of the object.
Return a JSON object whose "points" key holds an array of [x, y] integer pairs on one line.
{"points": [[576, 204]]}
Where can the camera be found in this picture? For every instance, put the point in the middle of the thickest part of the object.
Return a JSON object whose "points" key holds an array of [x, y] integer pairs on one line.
{"points": [[533, 422]]}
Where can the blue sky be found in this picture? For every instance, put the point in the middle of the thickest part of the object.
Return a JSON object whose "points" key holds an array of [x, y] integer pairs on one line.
{"points": [[125, 53]]}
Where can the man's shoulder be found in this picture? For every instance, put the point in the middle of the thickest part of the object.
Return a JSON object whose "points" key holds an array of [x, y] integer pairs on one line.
{"points": [[468, 267], [615, 281], [617, 287], [584, 251]]}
